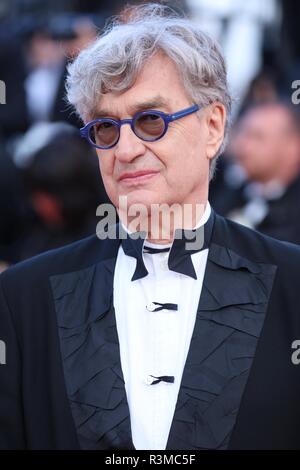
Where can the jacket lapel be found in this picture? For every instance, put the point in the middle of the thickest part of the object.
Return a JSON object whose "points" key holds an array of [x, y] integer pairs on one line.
{"points": [[91, 356], [229, 320]]}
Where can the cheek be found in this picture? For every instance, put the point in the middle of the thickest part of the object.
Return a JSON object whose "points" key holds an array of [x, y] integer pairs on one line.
{"points": [[178, 155], [105, 163], [189, 143]]}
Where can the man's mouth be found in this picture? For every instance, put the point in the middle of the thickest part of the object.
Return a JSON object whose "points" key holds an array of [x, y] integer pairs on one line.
{"points": [[137, 176]]}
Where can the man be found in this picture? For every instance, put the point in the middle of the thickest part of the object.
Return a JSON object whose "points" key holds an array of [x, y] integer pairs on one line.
{"points": [[113, 345], [267, 146]]}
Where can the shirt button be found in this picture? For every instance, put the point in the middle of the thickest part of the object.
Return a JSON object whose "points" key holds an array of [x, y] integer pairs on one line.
{"points": [[149, 380], [151, 306]]}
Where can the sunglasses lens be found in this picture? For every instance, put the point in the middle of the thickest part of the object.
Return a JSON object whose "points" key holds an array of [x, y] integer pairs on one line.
{"points": [[149, 126], [104, 134]]}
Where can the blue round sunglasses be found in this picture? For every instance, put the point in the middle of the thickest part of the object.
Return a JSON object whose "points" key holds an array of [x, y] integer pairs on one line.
{"points": [[151, 125]]}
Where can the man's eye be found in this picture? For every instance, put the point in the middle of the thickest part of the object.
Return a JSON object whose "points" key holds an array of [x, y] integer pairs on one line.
{"points": [[105, 125], [151, 117]]}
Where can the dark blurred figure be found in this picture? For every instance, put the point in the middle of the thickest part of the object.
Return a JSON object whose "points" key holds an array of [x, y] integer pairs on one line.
{"points": [[33, 60], [227, 186], [62, 182], [49, 48], [268, 86], [13, 115], [10, 209], [266, 143], [289, 50]]}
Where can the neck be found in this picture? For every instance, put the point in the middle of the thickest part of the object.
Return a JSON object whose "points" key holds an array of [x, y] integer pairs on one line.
{"points": [[162, 220]]}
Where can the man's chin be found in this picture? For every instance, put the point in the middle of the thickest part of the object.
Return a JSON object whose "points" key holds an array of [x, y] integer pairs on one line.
{"points": [[140, 198]]}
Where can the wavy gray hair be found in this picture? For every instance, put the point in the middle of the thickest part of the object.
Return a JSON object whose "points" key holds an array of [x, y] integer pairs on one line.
{"points": [[114, 60]]}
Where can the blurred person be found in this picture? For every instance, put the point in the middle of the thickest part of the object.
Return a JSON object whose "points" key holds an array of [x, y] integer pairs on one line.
{"points": [[49, 50], [226, 189], [11, 214], [63, 187], [266, 144], [46, 63], [264, 88], [72, 33], [14, 118], [138, 340], [239, 26], [83, 34], [289, 46]]}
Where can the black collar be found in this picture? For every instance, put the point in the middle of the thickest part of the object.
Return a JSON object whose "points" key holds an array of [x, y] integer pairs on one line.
{"points": [[181, 250]]}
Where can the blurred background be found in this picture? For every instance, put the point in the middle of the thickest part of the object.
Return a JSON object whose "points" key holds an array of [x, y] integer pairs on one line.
{"points": [[50, 185]]}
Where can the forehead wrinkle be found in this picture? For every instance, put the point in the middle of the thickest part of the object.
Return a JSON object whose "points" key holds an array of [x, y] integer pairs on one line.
{"points": [[151, 103]]}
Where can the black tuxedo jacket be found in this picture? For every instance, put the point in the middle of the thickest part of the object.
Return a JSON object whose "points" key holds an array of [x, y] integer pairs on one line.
{"points": [[62, 385]]}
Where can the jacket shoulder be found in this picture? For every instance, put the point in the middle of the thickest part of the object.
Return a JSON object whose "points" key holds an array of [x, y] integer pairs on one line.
{"points": [[75, 256], [254, 245]]}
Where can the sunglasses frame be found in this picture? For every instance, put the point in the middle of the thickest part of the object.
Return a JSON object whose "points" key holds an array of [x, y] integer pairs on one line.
{"points": [[167, 118]]}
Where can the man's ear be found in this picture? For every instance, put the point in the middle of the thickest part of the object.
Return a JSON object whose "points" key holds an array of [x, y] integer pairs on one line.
{"points": [[216, 118]]}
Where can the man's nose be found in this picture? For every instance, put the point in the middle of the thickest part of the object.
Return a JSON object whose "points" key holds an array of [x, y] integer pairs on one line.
{"points": [[129, 145]]}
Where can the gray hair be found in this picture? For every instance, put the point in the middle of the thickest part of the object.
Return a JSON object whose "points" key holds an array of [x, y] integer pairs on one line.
{"points": [[114, 60]]}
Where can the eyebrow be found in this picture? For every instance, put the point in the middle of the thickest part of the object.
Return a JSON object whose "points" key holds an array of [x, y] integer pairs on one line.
{"points": [[153, 103]]}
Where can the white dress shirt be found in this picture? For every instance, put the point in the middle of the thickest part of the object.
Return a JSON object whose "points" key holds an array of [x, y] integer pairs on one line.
{"points": [[155, 343]]}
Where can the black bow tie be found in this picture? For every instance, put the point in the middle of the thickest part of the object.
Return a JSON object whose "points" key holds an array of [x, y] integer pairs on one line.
{"points": [[181, 250]]}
